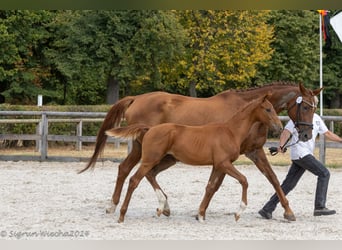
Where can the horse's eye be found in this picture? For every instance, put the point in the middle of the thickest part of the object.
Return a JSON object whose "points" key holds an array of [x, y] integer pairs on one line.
{"points": [[268, 110]]}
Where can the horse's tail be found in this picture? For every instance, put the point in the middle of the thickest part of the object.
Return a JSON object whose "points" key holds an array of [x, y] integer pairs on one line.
{"points": [[133, 131], [112, 119]]}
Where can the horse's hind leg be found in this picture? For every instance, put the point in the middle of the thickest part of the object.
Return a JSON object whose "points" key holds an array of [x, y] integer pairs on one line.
{"points": [[133, 183], [125, 168], [214, 182], [228, 168], [164, 164]]}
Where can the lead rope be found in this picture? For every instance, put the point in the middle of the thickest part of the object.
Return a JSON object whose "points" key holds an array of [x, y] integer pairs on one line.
{"points": [[274, 150]]}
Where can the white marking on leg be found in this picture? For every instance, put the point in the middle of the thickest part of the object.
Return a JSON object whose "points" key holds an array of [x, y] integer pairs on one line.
{"points": [[162, 201], [200, 218], [240, 211], [111, 210]]}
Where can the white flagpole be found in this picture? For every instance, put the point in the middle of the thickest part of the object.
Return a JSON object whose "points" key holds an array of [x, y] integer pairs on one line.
{"points": [[320, 66]]}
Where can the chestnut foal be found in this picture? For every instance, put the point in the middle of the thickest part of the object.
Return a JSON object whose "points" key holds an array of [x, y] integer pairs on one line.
{"points": [[216, 144]]}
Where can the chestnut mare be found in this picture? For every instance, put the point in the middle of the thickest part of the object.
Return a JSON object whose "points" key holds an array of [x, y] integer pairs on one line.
{"points": [[160, 107], [216, 144]]}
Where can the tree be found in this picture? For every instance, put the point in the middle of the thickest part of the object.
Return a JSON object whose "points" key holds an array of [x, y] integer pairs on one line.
{"points": [[76, 77], [79, 57], [224, 49], [115, 48], [296, 54], [21, 72], [296, 48]]}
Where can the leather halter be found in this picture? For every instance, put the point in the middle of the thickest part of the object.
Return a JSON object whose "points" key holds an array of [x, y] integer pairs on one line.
{"points": [[298, 121], [299, 101]]}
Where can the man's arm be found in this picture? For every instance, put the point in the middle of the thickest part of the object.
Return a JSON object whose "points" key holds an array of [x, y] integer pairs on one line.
{"points": [[332, 136], [284, 136]]}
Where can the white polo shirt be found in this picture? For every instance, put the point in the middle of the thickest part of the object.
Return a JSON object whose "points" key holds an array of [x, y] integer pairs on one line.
{"points": [[301, 149]]}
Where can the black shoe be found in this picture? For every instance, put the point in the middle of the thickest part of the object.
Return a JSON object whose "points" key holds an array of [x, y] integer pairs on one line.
{"points": [[264, 214], [323, 211]]}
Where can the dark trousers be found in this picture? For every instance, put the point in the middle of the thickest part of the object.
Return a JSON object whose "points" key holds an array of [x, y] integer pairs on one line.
{"points": [[296, 171]]}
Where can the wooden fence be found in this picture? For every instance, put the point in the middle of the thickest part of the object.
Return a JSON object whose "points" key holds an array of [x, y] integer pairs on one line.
{"points": [[42, 135]]}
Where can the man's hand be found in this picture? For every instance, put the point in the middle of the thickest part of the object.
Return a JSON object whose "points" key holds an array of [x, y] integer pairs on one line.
{"points": [[276, 150]]}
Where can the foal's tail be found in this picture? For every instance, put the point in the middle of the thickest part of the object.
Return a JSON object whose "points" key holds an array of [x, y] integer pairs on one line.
{"points": [[132, 131], [112, 119]]}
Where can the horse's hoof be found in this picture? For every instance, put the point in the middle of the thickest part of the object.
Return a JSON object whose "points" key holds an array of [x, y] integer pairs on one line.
{"points": [[111, 209], [159, 212], [200, 218], [290, 217], [166, 212], [237, 216], [120, 220]]}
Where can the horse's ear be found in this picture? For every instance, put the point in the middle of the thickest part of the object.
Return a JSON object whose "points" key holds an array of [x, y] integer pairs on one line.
{"points": [[267, 95], [307, 92], [317, 91], [303, 90]]}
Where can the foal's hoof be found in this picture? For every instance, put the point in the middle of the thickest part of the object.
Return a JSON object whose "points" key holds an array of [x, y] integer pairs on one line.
{"points": [[111, 209], [237, 216], [166, 212], [200, 218], [290, 217], [159, 212]]}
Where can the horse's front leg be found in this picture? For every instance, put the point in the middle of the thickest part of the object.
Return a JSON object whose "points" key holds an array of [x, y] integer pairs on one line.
{"points": [[164, 164], [125, 168], [228, 168], [259, 158]]}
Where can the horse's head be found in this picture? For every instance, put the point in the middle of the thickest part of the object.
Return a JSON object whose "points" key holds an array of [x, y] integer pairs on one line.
{"points": [[268, 115], [301, 109]]}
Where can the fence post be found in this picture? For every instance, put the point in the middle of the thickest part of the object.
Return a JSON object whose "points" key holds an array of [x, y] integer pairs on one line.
{"points": [[129, 146], [322, 148], [39, 132], [331, 126], [117, 143], [44, 141], [79, 134]]}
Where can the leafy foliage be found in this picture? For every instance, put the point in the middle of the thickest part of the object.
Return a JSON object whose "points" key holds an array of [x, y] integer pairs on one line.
{"points": [[224, 48], [22, 72], [296, 48], [97, 56]]}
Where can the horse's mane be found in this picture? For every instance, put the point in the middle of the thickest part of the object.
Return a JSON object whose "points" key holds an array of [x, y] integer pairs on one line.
{"points": [[277, 83], [272, 84]]}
